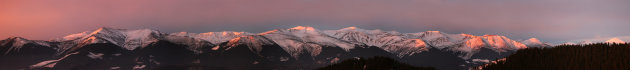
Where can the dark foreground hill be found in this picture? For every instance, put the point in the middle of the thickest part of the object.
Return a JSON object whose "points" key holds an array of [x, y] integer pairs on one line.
{"points": [[374, 63], [600, 56]]}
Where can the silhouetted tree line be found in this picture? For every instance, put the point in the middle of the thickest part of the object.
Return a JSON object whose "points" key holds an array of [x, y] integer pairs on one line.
{"points": [[599, 56], [374, 63]]}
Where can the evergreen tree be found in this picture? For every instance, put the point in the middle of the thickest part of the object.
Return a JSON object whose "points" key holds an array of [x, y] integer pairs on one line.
{"points": [[599, 56]]}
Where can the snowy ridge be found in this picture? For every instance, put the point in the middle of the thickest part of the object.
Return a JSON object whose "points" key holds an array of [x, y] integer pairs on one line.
{"points": [[436, 39], [214, 37], [299, 39], [406, 44], [128, 39], [365, 37], [502, 43], [74, 36], [532, 42], [16, 43], [586, 42], [392, 41]]}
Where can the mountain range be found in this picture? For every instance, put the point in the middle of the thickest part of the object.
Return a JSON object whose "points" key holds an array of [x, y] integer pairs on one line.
{"points": [[300, 47], [586, 42]]}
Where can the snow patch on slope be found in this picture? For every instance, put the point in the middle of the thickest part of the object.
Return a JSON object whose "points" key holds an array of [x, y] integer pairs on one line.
{"points": [[50, 63], [95, 55]]}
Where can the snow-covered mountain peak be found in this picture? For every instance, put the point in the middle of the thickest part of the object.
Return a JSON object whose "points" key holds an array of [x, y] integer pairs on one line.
{"points": [[308, 28], [17, 38], [534, 42], [299, 31], [502, 43], [432, 34], [364, 37], [107, 31], [359, 30], [436, 39], [129, 39], [141, 33], [17, 41], [615, 40], [14, 44], [350, 28], [299, 39]]}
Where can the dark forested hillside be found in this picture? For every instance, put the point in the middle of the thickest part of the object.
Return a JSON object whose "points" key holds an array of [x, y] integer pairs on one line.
{"points": [[600, 56], [374, 63]]}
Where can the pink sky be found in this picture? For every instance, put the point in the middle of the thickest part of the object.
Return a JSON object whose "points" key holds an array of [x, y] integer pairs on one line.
{"points": [[551, 20]]}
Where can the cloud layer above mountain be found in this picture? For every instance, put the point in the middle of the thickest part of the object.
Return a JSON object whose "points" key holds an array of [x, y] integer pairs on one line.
{"points": [[548, 20]]}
